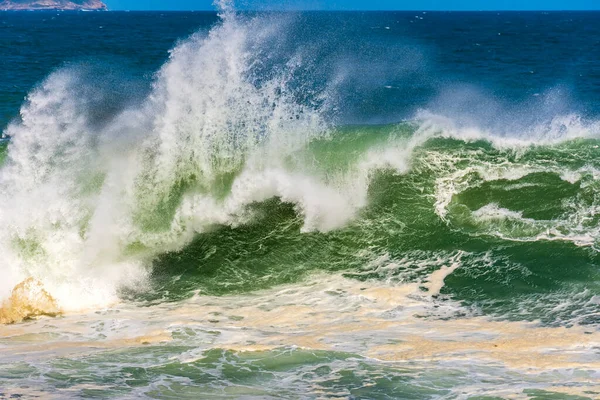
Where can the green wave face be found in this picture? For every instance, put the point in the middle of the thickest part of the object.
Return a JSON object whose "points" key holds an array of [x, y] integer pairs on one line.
{"points": [[522, 220]]}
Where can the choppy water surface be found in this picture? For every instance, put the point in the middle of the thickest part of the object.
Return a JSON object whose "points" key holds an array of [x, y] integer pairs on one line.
{"points": [[317, 205]]}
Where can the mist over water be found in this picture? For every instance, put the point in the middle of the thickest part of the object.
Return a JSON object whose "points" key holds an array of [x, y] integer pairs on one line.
{"points": [[327, 189]]}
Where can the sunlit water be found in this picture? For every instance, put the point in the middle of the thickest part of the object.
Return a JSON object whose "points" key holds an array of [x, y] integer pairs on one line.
{"points": [[317, 205]]}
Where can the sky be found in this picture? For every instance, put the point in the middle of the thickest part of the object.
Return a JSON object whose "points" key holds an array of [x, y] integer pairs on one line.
{"points": [[361, 4]]}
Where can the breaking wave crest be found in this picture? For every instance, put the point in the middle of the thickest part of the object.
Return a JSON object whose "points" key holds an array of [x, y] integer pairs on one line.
{"points": [[89, 197]]}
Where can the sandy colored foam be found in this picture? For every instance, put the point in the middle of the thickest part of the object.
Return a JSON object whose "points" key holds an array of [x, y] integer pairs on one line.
{"points": [[391, 323], [28, 300]]}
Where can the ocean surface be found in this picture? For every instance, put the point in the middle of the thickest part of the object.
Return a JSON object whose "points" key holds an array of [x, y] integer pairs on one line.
{"points": [[380, 205]]}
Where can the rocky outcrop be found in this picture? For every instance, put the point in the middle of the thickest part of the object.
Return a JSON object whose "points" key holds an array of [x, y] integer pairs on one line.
{"points": [[52, 5]]}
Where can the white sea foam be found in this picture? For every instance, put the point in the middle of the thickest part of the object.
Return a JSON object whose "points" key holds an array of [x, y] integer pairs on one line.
{"points": [[574, 225], [555, 130]]}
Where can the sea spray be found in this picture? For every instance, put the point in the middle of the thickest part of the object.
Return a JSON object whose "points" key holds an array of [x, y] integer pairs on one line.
{"points": [[86, 206], [91, 198]]}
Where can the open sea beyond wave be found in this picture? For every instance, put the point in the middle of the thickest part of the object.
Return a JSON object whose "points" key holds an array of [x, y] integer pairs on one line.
{"points": [[383, 205]]}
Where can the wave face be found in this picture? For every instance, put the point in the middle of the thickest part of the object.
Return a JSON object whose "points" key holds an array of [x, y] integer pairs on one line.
{"points": [[276, 194]]}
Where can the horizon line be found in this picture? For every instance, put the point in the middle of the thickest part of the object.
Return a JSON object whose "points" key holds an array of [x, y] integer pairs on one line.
{"points": [[312, 10]]}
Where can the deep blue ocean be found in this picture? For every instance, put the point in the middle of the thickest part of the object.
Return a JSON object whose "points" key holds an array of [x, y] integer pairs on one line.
{"points": [[348, 205], [396, 62]]}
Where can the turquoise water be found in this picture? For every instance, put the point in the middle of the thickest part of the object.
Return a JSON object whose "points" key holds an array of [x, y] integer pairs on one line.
{"points": [[271, 214]]}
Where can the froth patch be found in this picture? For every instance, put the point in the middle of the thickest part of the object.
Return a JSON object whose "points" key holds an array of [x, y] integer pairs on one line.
{"points": [[435, 281], [28, 300]]}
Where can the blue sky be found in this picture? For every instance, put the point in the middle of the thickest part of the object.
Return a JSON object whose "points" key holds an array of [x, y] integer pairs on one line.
{"points": [[362, 4]]}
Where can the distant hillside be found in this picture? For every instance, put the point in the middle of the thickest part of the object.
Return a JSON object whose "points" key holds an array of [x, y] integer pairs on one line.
{"points": [[52, 5]]}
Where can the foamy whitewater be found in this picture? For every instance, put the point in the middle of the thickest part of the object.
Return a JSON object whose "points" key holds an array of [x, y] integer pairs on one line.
{"points": [[233, 232]]}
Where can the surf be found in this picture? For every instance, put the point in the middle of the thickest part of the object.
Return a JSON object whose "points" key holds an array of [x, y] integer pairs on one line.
{"points": [[231, 145]]}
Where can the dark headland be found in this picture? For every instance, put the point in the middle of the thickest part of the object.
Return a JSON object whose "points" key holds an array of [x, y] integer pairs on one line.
{"points": [[52, 5]]}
